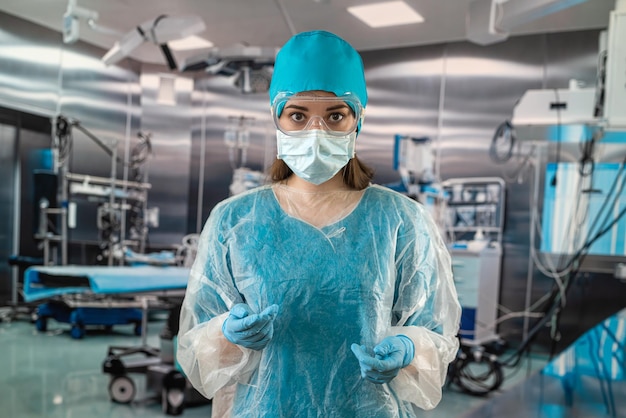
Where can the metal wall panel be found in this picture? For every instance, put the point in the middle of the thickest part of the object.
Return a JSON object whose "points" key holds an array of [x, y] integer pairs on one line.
{"points": [[24, 148], [30, 60], [8, 170], [404, 89], [168, 120]]}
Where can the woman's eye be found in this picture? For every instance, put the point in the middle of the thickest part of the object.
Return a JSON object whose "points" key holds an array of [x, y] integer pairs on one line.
{"points": [[297, 117], [336, 117]]}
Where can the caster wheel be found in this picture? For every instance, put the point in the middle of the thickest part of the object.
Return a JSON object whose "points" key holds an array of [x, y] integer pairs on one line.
{"points": [[77, 332], [122, 389], [173, 393], [41, 324], [172, 401]]}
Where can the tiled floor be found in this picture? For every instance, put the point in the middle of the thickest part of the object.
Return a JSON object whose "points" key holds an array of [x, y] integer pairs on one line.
{"points": [[49, 374], [586, 380]]}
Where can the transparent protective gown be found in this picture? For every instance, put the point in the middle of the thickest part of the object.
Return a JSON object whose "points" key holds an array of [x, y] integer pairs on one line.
{"points": [[381, 270]]}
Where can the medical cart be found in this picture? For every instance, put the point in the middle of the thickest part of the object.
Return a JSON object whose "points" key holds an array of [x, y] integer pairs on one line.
{"points": [[474, 226]]}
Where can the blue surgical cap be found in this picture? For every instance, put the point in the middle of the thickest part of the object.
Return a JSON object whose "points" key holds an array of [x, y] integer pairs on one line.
{"points": [[318, 60]]}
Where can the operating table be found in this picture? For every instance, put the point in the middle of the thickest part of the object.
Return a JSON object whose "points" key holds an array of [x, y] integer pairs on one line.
{"points": [[100, 295]]}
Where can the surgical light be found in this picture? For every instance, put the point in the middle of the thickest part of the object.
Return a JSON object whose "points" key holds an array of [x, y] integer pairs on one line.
{"points": [[160, 31], [251, 67]]}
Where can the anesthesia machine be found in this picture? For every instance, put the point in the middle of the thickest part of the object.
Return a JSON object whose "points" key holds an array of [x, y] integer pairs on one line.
{"points": [[579, 135]]}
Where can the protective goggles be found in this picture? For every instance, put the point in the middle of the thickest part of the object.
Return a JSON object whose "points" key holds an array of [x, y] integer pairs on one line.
{"points": [[294, 114]]}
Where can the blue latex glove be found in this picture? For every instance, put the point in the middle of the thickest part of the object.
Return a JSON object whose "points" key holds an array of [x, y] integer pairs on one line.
{"points": [[248, 329], [391, 355]]}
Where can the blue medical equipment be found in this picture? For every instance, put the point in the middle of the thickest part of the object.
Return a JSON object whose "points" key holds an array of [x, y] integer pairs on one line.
{"points": [[98, 295], [586, 379], [414, 160], [603, 199], [474, 226], [592, 368]]}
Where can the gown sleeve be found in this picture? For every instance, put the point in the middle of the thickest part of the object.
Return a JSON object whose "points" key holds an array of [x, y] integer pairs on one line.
{"points": [[426, 309], [208, 359]]}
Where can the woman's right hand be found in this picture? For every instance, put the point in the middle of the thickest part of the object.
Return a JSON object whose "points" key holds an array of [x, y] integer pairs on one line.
{"points": [[248, 329]]}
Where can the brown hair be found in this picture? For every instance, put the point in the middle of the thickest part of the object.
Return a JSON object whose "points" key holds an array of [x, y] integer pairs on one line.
{"points": [[356, 174]]}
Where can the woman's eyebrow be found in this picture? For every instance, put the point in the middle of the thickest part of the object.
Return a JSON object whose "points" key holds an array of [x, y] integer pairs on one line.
{"points": [[338, 106], [297, 107]]}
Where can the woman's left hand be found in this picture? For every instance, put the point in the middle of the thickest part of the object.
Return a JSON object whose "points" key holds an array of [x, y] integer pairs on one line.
{"points": [[391, 355]]}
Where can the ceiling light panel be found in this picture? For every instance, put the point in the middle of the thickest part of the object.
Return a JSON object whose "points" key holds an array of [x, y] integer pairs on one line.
{"points": [[390, 13], [189, 43]]}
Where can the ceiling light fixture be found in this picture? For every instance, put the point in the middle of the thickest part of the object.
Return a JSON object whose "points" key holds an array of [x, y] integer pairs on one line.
{"points": [[190, 43], [391, 13]]}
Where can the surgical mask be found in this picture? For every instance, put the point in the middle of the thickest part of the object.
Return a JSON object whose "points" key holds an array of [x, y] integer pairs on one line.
{"points": [[315, 155]]}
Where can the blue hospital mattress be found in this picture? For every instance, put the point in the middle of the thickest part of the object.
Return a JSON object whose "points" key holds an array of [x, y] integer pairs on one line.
{"points": [[42, 282]]}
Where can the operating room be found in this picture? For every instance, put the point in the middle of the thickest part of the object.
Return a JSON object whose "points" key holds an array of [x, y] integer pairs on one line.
{"points": [[504, 119]]}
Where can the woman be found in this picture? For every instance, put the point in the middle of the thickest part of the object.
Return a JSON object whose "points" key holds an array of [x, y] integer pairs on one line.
{"points": [[319, 295]]}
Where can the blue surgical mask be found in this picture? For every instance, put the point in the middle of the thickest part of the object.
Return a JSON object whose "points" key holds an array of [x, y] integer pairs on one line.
{"points": [[315, 156]]}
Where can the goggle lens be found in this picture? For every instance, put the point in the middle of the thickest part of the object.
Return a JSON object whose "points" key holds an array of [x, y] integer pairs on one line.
{"points": [[295, 114]]}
